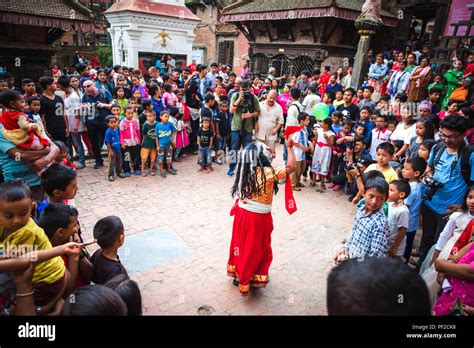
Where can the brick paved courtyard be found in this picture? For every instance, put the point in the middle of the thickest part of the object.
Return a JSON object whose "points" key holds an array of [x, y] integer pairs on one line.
{"points": [[178, 232]]}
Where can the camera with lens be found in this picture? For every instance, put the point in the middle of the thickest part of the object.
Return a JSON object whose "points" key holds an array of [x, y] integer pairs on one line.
{"points": [[351, 166], [247, 95], [431, 187]]}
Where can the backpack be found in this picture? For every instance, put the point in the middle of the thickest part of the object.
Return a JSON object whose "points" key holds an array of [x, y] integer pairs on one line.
{"points": [[465, 154]]}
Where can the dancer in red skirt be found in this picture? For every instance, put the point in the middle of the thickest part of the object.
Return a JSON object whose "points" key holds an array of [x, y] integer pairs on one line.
{"points": [[256, 181]]}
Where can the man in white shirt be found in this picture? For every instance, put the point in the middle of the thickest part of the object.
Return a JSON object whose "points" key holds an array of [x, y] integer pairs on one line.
{"points": [[269, 121], [295, 108]]}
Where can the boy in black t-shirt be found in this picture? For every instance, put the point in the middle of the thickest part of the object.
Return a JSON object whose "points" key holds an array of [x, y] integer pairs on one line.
{"points": [[204, 141], [109, 232], [222, 131]]}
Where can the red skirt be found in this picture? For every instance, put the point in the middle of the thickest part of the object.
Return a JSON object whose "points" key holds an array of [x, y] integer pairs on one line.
{"points": [[250, 253]]}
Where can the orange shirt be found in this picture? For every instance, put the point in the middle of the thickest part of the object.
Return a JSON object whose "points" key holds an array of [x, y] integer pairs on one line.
{"points": [[267, 197]]}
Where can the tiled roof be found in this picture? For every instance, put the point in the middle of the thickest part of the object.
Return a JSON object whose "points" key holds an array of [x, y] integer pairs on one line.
{"points": [[146, 6], [248, 6], [61, 9]]}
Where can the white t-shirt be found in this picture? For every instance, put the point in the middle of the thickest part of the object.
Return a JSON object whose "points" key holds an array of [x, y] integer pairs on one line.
{"points": [[292, 116], [309, 102], [268, 120], [378, 137], [398, 217], [72, 105], [400, 133], [301, 138]]}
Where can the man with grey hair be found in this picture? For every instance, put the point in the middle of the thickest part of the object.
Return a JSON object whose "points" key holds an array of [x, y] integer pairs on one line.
{"points": [[154, 73], [272, 75], [269, 121]]}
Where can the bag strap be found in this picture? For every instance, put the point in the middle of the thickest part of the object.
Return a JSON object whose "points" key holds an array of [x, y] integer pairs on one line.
{"points": [[465, 163]]}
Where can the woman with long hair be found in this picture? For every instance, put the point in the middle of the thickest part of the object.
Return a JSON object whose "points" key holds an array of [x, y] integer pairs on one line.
{"points": [[255, 183]]}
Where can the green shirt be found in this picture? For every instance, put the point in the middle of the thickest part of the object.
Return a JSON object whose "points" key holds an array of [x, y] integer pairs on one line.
{"points": [[410, 68], [148, 132], [237, 123]]}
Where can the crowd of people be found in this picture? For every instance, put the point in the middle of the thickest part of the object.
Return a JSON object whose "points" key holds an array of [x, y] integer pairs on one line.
{"points": [[398, 146]]}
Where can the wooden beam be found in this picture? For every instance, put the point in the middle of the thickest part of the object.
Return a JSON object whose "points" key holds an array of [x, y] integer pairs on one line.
{"points": [[248, 25], [292, 34], [329, 30], [313, 30], [267, 25]]}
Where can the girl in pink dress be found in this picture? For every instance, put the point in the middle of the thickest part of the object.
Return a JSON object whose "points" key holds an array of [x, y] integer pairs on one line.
{"points": [[459, 271], [182, 138]]}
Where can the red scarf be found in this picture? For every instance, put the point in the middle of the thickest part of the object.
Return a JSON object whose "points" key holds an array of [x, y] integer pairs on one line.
{"points": [[380, 131], [463, 239], [290, 202]]}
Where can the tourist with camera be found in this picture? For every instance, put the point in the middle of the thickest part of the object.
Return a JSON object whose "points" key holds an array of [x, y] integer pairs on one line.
{"points": [[246, 109], [447, 178]]}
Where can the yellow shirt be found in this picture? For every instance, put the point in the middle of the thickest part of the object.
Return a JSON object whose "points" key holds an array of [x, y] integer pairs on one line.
{"points": [[270, 178], [389, 174], [31, 237], [336, 103]]}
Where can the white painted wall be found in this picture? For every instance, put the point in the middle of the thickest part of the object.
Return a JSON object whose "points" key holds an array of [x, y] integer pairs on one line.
{"points": [[140, 33]]}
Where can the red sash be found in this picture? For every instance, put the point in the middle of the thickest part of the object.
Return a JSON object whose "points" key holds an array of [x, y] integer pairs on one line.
{"points": [[463, 239]]}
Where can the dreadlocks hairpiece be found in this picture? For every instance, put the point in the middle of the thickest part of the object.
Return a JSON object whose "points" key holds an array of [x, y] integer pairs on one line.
{"points": [[253, 157]]}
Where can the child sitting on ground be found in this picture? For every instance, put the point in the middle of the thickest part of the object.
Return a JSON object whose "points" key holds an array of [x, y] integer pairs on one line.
{"points": [[17, 128], [59, 222], [110, 235], [385, 152], [398, 218], [19, 233], [370, 230]]}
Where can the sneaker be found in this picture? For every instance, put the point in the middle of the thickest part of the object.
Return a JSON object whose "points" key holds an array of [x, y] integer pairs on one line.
{"points": [[230, 173], [173, 171], [121, 175], [98, 165], [127, 174], [152, 172], [144, 174], [111, 178], [163, 174], [80, 166], [219, 161], [137, 172]]}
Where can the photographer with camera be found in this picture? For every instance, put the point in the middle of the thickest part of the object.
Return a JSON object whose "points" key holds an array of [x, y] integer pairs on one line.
{"points": [[447, 177], [354, 151], [246, 109]]}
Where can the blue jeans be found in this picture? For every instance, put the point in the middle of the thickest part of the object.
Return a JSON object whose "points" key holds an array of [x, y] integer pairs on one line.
{"points": [[237, 140], [205, 157], [77, 139]]}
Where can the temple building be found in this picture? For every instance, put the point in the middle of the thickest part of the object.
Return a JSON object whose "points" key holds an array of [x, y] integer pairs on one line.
{"points": [[303, 34], [144, 30], [28, 29]]}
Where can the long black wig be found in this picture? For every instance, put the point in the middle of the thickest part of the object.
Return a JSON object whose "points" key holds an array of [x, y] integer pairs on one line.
{"points": [[253, 156]]}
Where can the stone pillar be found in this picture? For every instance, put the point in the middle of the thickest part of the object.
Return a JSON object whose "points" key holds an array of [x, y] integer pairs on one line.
{"points": [[134, 36], [367, 27]]}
